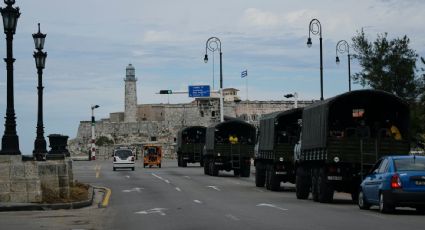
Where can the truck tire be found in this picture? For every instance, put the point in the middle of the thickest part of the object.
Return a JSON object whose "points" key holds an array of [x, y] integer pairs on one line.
{"points": [[178, 161], [325, 190], [184, 163], [260, 175], [302, 184], [267, 177], [274, 182], [246, 170], [206, 167], [201, 163], [214, 169], [314, 184], [236, 172]]}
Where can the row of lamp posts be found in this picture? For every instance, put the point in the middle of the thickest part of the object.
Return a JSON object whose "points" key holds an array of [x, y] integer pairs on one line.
{"points": [[342, 47], [213, 44], [10, 141]]}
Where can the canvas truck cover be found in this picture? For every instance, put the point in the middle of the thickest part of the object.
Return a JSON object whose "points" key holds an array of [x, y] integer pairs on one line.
{"points": [[220, 132], [194, 133], [268, 123], [374, 105]]}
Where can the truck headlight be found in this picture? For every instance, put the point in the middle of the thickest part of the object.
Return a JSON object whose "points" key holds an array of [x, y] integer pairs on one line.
{"points": [[336, 159], [281, 159], [218, 154]]}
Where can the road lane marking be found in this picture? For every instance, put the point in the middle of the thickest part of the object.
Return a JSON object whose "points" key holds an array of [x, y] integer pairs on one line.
{"points": [[187, 177], [271, 206], [133, 190], [197, 201], [178, 189], [128, 177], [153, 211], [97, 169], [232, 217], [213, 187], [258, 190], [167, 181]]}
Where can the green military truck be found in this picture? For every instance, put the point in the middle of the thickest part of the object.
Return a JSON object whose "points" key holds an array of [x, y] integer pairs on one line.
{"points": [[341, 139], [229, 146], [278, 134], [190, 144]]}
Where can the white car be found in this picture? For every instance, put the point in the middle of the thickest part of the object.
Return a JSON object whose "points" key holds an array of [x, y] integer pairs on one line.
{"points": [[123, 158]]}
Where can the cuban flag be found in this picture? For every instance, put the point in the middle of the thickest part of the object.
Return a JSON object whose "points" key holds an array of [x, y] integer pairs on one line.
{"points": [[244, 73]]}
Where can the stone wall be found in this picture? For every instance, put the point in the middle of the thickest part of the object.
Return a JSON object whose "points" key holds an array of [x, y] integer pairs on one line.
{"points": [[31, 181], [19, 181]]}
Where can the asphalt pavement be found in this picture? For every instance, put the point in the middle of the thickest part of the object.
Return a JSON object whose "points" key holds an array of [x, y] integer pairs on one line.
{"points": [[184, 198]]}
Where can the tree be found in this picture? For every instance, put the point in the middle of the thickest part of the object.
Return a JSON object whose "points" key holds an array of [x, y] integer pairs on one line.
{"points": [[388, 65]]}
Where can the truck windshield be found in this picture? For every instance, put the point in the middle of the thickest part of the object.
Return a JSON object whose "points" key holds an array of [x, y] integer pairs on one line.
{"points": [[410, 164]]}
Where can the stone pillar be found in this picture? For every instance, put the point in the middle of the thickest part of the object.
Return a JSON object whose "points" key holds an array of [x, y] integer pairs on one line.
{"points": [[130, 103], [19, 180]]}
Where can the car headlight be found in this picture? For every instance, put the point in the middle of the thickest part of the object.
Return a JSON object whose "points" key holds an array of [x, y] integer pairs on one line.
{"points": [[336, 159], [281, 159]]}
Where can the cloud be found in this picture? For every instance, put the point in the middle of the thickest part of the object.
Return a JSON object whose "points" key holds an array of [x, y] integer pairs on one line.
{"points": [[256, 17]]}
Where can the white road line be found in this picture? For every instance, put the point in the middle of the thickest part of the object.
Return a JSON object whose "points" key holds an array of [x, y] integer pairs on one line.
{"points": [[271, 206], [127, 176], [178, 189], [167, 181], [232, 217], [133, 190], [213, 187], [187, 177], [197, 201], [153, 210], [258, 190]]}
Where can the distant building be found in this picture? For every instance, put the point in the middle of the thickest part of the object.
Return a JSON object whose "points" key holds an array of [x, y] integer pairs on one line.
{"points": [[159, 123]]}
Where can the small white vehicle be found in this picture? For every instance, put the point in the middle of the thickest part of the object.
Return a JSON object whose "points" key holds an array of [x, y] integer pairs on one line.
{"points": [[123, 158]]}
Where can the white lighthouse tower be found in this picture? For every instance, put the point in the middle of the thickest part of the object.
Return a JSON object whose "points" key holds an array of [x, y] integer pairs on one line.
{"points": [[130, 104]]}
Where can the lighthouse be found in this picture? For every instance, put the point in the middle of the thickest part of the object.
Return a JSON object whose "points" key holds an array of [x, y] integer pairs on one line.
{"points": [[130, 103]]}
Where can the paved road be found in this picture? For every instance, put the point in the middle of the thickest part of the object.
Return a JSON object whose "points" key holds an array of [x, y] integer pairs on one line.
{"points": [[184, 198]]}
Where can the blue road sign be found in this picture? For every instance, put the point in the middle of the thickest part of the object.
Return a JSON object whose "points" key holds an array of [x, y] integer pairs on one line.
{"points": [[199, 90]]}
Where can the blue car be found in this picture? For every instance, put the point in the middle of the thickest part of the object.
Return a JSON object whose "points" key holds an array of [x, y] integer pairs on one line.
{"points": [[395, 181]]}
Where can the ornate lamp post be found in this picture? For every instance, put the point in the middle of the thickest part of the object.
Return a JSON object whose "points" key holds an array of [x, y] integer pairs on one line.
{"points": [[213, 44], [316, 28], [40, 61], [343, 47], [10, 141], [92, 156]]}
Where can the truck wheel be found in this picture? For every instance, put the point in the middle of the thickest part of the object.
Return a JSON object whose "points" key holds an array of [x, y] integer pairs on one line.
{"points": [[184, 163], [314, 185], [362, 202], [326, 192], [302, 184], [260, 175], [384, 205], [274, 180], [159, 165], [178, 161], [246, 170], [206, 165], [201, 163], [236, 172], [267, 177], [214, 169]]}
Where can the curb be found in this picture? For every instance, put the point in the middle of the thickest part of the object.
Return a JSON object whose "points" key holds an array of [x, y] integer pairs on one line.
{"points": [[5, 207], [107, 195]]}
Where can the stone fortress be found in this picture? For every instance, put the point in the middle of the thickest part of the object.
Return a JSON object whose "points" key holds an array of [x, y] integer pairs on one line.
{"points": [[141, 124]]}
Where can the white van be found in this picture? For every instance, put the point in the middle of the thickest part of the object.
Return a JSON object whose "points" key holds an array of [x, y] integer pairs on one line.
{"points": [[123, 158]]}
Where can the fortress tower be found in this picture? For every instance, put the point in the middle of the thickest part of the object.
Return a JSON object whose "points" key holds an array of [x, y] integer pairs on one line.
{"points": [[130, 104]]}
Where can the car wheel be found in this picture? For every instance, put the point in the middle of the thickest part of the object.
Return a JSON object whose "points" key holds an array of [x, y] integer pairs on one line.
{"points": [[384, 206], [362, 202]]}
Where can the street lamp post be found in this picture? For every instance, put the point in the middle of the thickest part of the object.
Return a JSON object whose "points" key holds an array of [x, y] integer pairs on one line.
{"points": [[40, 61], [342, 47], [10, 140], [213, 44], [315, 28], [295, 96], [93, 138]]}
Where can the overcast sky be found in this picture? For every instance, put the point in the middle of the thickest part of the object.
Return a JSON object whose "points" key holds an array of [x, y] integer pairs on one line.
{"points": [[89, 44]]}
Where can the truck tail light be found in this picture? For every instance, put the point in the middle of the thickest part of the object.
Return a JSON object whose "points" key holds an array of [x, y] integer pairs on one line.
{"points": [[395, 181]]}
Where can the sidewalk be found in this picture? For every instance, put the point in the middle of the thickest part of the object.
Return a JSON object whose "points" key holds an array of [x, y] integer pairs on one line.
{"points": [[94, 194]]}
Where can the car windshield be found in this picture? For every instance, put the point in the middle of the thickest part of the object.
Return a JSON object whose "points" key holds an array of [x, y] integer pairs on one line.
{"points": [[123, 154], [410, 164]]}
